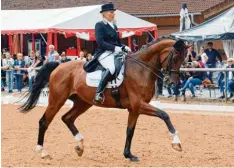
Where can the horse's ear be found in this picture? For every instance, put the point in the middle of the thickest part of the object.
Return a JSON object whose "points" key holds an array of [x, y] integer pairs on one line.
{"points": [[187, 46], [179, 45]]}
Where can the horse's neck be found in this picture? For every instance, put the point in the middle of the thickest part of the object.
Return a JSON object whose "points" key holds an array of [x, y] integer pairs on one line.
{"points": [[150, 57], [140, 78]]}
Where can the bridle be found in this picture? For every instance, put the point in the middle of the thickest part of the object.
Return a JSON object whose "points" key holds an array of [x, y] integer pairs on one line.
{"points": [[170, 58], [154, 70]]}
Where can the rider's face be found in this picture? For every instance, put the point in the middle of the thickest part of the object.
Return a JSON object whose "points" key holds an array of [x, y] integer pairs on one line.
{"points": [[109, 15]]}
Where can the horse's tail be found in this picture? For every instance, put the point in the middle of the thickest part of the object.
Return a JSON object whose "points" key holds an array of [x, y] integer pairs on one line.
{"points": [[40, 82]]}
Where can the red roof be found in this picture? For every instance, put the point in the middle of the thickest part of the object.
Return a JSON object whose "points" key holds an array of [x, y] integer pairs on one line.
{"points": [[137, 7]]}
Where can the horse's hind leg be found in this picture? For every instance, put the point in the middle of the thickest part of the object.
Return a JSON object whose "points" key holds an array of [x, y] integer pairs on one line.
{"points": [[69, 118]]}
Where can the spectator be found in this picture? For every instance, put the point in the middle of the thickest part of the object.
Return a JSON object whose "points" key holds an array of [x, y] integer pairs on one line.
{"points": [[204, 57], [32, 56], [14, 57], [195, 79], [231, 87], [19, 63], [39, 60], [175, 90], [4, 50], [89, 57], [57, 57], [2, 72], [211, 62], [8, 62], [232, 90], [64, 58], [221, 84], [135, 45], [185, 22], [51, 54], [191, 55], [230, 77], [82, 56], [160, 84], [85, 52], [181, 82], [36, 61]]}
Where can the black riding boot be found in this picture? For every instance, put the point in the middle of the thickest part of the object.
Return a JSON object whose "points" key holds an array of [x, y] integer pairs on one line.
{"points": [[99, 97]]}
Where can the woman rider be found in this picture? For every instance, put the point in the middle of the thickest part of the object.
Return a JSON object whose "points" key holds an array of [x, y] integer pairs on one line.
{"points": [[109, 44]]}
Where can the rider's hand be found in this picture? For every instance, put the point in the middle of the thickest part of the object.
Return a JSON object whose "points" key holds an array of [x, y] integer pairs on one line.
{"points": [[118, 49], [126, 49]]}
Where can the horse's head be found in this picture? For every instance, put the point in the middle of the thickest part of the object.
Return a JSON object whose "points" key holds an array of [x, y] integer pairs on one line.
{"points": [[172, 59]]}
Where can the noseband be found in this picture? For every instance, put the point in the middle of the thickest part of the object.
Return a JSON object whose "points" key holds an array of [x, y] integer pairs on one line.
{"points": [[169, 68]]}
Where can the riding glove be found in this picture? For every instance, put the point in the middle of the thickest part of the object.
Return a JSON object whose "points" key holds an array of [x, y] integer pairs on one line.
{"points": [[118, 49]]}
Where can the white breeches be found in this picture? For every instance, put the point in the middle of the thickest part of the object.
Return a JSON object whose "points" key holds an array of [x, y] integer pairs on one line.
{"points": [[107, 61]]}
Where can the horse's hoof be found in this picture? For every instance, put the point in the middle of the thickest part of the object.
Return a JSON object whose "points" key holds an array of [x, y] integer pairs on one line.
{"points": [[134, 159], [177, 147], [45, 156], [79, 151]]}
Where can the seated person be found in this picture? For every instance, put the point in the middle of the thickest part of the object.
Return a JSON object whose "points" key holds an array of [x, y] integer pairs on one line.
{"points": [[231, 87], [81, 56], [195, 79], [191, 55], [230, 77], [89, 57], [64, 58]]}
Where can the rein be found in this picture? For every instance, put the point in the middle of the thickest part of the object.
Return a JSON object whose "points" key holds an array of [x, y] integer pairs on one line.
{"points": [[141, 63], [166, 71], [153, 70]]}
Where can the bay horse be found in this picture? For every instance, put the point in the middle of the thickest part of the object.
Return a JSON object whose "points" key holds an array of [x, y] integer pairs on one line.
{"points": [[68, 81]]}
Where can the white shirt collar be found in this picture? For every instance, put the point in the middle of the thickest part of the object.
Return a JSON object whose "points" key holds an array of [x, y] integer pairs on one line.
{"points": [[110, 23]]}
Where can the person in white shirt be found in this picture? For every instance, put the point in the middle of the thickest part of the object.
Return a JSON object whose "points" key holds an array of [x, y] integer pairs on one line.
{"points": [[8, 63], [185, 22], [204, 57], [82, 56], [51, 55]]}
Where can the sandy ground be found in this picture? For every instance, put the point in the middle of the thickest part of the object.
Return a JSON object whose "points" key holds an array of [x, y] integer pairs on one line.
{"points": [[207, 140]]}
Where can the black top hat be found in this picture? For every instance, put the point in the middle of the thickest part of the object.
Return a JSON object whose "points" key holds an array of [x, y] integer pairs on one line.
{"points": [[108, 7]]}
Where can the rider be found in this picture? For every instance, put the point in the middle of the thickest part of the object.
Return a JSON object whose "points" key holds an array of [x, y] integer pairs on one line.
{"points": [[108, 43]]}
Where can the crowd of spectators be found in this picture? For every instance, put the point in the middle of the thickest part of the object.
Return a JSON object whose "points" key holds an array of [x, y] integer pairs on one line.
{"points": [[18, 71], [206, 58]]}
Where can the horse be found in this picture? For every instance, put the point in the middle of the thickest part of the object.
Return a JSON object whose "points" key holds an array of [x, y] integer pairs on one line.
{"points": [[68, 81]]}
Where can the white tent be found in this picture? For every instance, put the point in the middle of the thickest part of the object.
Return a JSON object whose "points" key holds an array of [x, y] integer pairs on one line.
{"points": [[79, 21]]}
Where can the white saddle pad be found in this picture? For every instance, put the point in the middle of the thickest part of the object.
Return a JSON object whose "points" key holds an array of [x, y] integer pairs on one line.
{"points": [[93, 79]]}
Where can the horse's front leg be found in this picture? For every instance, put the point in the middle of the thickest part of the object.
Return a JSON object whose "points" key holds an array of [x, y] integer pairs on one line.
{"points": [[150, 110], [132, 119]]}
